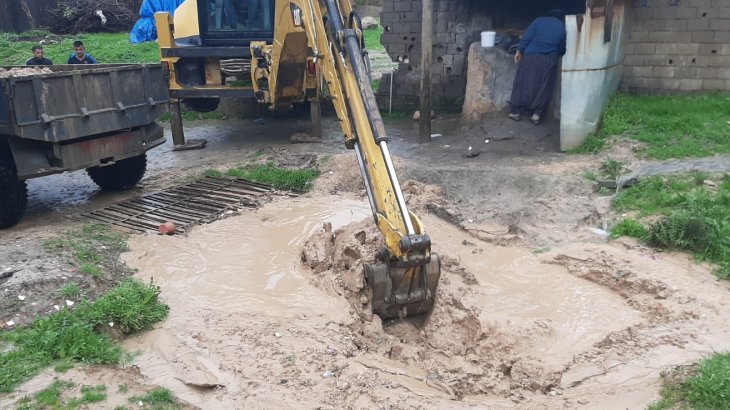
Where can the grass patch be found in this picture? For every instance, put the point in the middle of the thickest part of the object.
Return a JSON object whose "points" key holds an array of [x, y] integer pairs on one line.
{"points": [[88, 246], [706, 386], [669, 126], [591, 176], [160, 399], [693, 217], [630, 228], [70, 290], [280, 178], [372, 38], [592, 145], [195, 116], [50, 397], [90, 269], [612, 169], [63, 366], [213, 173], [105, 47], [73, 336]]}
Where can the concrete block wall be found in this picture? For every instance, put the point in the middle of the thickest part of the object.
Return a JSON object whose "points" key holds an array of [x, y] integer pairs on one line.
{"points": [[455, 26], [678, 46]]}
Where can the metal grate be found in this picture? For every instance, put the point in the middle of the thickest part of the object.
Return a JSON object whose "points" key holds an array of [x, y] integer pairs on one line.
{"points": [[199, 202]]}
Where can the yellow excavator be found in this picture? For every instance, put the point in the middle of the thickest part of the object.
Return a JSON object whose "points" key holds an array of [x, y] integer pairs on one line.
{"points": [[283, 52]]}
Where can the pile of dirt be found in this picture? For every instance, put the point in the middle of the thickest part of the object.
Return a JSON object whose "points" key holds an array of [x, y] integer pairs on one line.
{"points": [[24, 72]]}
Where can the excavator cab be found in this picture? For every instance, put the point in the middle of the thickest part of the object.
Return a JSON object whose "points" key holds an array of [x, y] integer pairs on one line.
{"points": [[235, 22]]}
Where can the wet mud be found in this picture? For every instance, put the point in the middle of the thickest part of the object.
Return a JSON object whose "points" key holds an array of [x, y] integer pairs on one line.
{"points": [[269, 310]]}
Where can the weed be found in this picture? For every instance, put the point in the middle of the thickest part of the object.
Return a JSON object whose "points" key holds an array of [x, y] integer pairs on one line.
{"points": [[630, 228], [591, 176], [280, 178], [50, 397], [612, 169], [123, 388], [89, 394], [71, 290], [71, 335], [157, 399], [92, 270], [213, 173]]}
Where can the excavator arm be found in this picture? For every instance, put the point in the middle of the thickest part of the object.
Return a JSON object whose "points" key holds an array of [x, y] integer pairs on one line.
{"points": [[318, 45]]}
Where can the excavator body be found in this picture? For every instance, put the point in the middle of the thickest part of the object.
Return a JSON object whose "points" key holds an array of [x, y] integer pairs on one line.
{"points": [[316, 48]]}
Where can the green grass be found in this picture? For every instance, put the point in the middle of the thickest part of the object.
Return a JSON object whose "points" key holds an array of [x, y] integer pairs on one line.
{"points": [[591, 176], [612, 169], [630, 228], [50, 397], [92, 270], [70, 290], [669, 126], [706, 388], [88, 246], [73, 336], [195, 116], [693, 217], [63, 366], [372, 39], [592, 145], [280, 178], [105, 47], [159, 399]]}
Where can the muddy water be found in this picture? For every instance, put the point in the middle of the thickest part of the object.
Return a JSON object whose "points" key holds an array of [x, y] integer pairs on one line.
{"points": [[515, 288], [242, 304], [245, 264]]}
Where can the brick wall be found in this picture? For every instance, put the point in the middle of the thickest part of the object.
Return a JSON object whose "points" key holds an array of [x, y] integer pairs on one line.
{"points": [[678, 46], [457, 23]]}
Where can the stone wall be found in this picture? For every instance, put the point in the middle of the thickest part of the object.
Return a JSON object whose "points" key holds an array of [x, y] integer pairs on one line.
{"points": [[678, 46]]}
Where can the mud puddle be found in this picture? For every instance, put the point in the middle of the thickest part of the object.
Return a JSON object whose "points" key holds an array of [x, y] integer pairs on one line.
{"points": [[252, 326]]}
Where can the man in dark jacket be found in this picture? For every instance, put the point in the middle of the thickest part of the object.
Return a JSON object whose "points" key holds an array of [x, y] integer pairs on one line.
{"points": [[538, 55], [79, 56], [38, 58]]}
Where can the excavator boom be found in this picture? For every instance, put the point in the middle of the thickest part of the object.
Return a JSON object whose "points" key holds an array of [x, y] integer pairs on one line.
{"points": [[317, 47]]}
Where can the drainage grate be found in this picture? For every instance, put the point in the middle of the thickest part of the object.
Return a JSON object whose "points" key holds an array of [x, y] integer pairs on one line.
{"points": [[199, 202]]}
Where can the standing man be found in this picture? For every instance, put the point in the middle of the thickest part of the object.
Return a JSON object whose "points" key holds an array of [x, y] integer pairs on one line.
{"points": [[38, 58], [538, 55], [79, 55]]}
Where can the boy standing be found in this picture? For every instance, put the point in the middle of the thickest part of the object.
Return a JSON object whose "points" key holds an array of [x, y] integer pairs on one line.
{"points": [[38, 58], [79, 56]]}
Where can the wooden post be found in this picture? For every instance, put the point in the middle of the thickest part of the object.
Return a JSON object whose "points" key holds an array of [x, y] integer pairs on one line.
{"points": [[426, 61]]}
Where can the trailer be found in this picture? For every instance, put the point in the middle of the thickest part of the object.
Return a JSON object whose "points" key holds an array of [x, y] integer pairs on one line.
{"points": [[70, 117]]}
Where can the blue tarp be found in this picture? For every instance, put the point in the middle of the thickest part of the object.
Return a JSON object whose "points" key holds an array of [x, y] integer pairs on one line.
{"points": [[144, 29]]}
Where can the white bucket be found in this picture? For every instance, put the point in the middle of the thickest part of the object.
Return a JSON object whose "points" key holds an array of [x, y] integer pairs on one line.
{"points": [[488, 38]]}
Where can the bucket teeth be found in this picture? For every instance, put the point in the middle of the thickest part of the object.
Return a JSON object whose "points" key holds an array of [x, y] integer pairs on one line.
{"points": [[400, 292]]}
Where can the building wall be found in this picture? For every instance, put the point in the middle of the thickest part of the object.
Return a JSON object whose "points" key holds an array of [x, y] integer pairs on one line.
{"points": [[457, 23], [678, 46]]}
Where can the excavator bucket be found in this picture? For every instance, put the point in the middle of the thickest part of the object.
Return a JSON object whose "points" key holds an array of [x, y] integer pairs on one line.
{"points": [[400, 292]]}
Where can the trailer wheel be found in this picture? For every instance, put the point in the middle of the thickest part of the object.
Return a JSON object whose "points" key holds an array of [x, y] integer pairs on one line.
{"points": [[13, 193], [121, 175]]}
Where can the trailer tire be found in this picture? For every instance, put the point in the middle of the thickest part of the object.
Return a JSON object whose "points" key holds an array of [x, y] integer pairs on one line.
{"points": [[120, 176], [13, 193]]}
